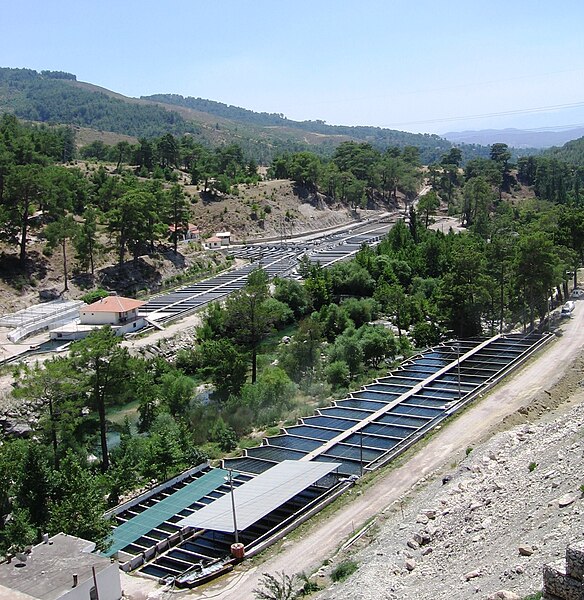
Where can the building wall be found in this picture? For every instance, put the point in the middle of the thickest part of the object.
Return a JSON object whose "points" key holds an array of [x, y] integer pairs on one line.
{"points": [[78, 334], [134, 325], [108, 585], [69, 335], [106, 318], [99, 318]]}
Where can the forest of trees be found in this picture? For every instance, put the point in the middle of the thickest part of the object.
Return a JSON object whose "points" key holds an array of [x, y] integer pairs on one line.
{"points": [[52, 97], [429, 146], [356, 174], [516, 251], [133, 207], [571, 152], [217, 169]]}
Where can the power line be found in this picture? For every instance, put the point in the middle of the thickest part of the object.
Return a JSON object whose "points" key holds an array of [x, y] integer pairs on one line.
{"points": [[524, 111]]}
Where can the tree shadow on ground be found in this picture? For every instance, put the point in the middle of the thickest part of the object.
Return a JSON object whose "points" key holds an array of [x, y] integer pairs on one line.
{"points": [[130, 278], [13, 273], [178, 260]]}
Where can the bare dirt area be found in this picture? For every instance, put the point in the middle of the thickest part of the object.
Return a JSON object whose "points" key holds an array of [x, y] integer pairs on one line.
{"points": [[397, 496], [446, 224], [269, 209], [43, 276]]}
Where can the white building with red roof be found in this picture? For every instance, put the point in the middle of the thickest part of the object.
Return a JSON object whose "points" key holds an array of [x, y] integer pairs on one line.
{"points": [[185, 232], [111, 310], [213, 243], [118, 312]]}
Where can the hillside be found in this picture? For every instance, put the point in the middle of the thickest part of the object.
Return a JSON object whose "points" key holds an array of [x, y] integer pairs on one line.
{"points": [[40, 97], [56, 97], [572, 152], [488, 521], [315, 132], [271, 209]]}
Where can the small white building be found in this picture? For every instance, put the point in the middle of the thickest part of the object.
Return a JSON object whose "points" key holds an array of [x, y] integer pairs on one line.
{"points": [[186, 232], [213, 243], [225, 237], [111, 310], [119, 312], [60, 568]]}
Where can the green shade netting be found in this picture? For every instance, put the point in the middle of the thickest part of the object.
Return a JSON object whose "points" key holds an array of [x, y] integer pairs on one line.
{"points": [[132, 530]]}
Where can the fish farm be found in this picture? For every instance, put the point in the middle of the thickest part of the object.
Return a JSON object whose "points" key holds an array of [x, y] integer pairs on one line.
{"points": [[198, 525]]}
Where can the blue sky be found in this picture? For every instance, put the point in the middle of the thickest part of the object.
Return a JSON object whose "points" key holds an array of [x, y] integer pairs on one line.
{"points": [[410, 65]]}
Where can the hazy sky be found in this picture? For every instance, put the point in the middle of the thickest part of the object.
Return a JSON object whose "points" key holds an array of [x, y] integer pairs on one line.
{"points": [[414, 65]]}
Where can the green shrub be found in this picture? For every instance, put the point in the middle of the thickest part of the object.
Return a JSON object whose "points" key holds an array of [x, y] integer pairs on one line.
{"points": [[94, 296], [532, 466], [344, 570], [337, 374]]}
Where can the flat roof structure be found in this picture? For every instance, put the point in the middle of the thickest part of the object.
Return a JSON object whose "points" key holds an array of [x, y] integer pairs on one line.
{"points": [[47, 572], [259, 496], [10, 594]]}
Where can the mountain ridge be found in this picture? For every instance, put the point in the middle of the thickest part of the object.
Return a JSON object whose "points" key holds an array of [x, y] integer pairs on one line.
{"points": [[58, 97], [55, 97], [516, 138]]}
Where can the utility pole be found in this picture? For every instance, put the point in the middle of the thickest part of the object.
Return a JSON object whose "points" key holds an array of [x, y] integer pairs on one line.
{"points": [[361, 449], [458, 367], [230, 471]]}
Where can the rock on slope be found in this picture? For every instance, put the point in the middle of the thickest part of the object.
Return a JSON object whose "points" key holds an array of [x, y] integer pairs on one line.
{"points": [[510, 506]]}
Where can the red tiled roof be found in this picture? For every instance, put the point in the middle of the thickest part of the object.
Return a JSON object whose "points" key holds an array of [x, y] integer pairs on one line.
{"points": [[117, 304], [213, 239]]}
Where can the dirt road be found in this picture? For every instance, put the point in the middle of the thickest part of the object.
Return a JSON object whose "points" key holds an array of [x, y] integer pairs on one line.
{"points": [[322, 540]]}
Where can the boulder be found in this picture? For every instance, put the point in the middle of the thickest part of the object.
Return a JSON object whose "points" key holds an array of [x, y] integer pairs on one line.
{"points": [[504, 595], [410, 564], [48, 294], [565, 500], [19, 430]]}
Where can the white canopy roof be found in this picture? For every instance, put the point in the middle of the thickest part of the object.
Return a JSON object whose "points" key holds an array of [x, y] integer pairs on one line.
{"points": [[259, 496]]}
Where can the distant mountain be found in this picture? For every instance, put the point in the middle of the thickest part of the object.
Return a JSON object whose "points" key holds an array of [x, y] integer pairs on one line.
{"points": [[516, 138], [57, 97]]}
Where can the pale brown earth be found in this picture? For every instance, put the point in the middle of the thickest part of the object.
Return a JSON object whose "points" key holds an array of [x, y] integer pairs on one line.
{"points": [[547, 381]]}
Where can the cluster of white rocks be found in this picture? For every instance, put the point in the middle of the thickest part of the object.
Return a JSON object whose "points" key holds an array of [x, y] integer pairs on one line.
{"points": [[484, 528], [168, 347]]}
